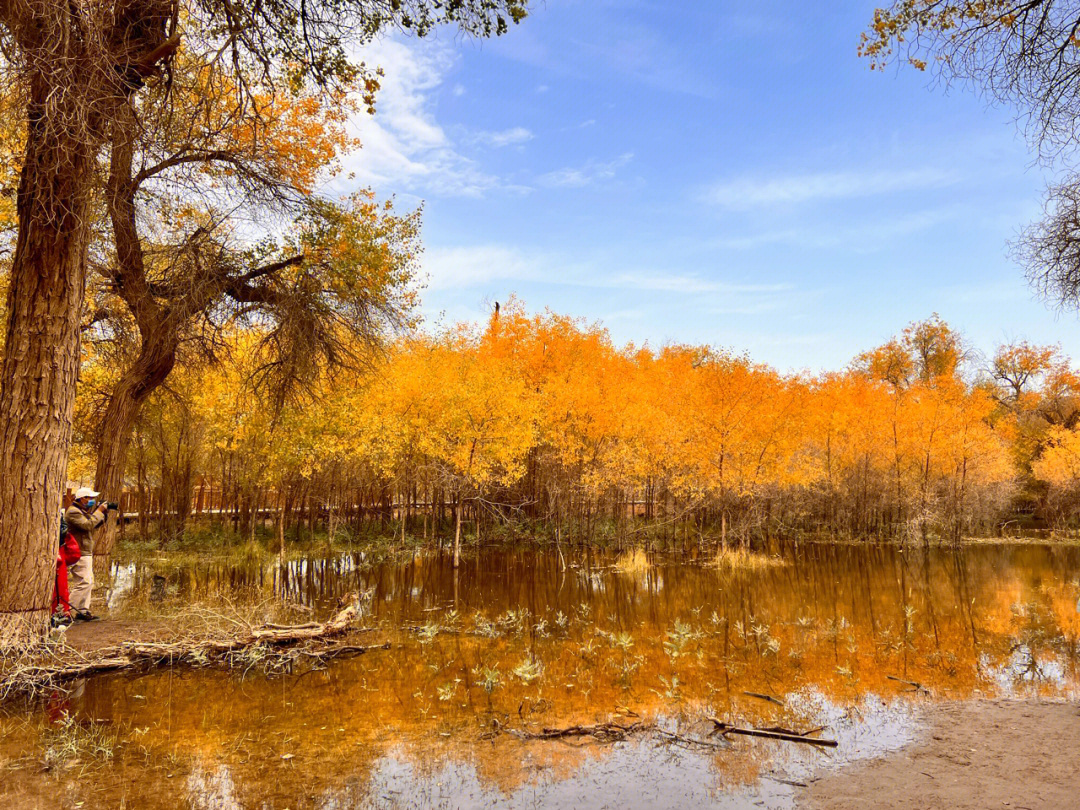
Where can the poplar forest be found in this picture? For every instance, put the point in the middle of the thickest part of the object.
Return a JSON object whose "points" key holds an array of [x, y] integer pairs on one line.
{"points": [[537, 428], [485, 403]]}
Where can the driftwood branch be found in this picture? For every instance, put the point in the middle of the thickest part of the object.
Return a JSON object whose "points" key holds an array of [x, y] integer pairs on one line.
{"points": [[762, 696], [65, 664], [613, 732], [724, 729], [679, 739], [918, 687]]}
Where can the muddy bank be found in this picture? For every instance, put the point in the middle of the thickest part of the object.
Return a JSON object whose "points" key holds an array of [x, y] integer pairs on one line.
{"points": [[90, 637], [975, 754]]}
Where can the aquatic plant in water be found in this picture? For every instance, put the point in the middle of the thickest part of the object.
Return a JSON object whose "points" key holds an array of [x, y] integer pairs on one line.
{"points": [[529, 670]]}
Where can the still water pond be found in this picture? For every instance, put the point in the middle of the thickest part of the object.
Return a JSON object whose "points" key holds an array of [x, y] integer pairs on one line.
{"points": [[833, 635]]}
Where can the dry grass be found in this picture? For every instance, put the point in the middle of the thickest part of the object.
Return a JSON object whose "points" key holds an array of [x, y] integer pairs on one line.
{"points": [[70, 742], [743, 559], [633, 562]]}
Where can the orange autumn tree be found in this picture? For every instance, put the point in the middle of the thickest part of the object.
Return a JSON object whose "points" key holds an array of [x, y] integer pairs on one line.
{"points": [[744, 433], [538, 422], [939, 437], [1037, 391], [850, 414], [579, 380], [654, 450], [452, 407], [485, 425], [182, 272], [1058, 468]]}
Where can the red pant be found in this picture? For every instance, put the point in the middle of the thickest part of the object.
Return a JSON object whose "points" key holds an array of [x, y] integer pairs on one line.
{"points": [[67, 554]]}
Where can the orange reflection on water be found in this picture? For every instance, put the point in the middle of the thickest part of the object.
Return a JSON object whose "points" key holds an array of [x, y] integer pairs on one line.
{"points": [[838, 634]]}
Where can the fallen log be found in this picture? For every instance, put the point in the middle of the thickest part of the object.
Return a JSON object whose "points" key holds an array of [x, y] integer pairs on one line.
{"points": [[30, 675], [724, 729], [344, 650]]}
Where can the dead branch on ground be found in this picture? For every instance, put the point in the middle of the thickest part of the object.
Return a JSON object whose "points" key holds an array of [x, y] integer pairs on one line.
{"points": [[277, 647]]}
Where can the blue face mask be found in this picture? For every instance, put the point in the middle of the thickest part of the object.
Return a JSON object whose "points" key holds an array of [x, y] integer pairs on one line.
{"points": [[90, 504]]}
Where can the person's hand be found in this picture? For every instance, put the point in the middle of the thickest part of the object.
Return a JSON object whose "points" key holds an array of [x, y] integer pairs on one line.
{"points": [[103, 508]]}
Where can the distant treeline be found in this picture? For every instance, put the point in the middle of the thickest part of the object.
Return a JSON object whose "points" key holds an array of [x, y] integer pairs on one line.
{"points": [[539, 424]]}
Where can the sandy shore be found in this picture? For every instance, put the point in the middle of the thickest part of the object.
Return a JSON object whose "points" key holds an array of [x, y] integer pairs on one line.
{"points": [[980, 755]]}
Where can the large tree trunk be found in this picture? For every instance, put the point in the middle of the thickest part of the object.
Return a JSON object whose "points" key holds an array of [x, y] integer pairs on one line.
{"points": [[40, 367]]}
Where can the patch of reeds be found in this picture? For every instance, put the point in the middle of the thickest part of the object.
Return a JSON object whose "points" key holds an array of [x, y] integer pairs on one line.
{"points": [[743, 559], [70, 742], [633, 562]]}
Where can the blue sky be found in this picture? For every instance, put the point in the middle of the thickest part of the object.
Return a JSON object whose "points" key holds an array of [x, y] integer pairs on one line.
{"points": [[721, 173]]}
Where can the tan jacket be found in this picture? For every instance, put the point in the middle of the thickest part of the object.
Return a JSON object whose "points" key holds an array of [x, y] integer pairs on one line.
{"points": [[82, 526]]}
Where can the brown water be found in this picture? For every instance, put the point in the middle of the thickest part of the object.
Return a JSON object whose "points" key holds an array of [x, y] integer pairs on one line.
{"points": [[513, 641]]}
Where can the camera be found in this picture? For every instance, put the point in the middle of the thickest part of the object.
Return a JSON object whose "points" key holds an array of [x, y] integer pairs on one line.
{"points": [[112, 505]]}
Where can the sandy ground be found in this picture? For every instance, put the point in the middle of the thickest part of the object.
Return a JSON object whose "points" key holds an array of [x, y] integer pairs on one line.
{"points": [[980, 755], [87, 637]]}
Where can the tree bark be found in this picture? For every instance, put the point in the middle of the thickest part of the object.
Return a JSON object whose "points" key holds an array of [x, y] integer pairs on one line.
{"points": [[159, 331], [156, 360], [40, 366]]}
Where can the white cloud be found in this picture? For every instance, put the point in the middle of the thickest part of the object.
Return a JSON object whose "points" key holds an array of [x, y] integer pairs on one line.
{"points": [[475, 266], [591, 172], [756, 192], [688, 284], [506, 137], [863, 238], [403, 146]]}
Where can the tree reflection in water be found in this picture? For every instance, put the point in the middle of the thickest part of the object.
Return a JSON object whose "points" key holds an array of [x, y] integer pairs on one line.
{"points": [[838, 635]]}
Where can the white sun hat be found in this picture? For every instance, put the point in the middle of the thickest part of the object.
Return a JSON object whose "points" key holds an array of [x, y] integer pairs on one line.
{"points": [[85, 492]]}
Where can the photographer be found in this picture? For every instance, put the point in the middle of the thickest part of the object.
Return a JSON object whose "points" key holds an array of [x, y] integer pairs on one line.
{"points": [[84, 517]]}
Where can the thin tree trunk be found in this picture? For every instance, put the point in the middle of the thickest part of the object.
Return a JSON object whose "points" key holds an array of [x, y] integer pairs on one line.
{"points": [[331, 522], [144, 501], [457, 532]]}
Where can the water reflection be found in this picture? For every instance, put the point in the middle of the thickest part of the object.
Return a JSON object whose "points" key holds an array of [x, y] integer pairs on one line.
{"points": [[853, 638]]}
